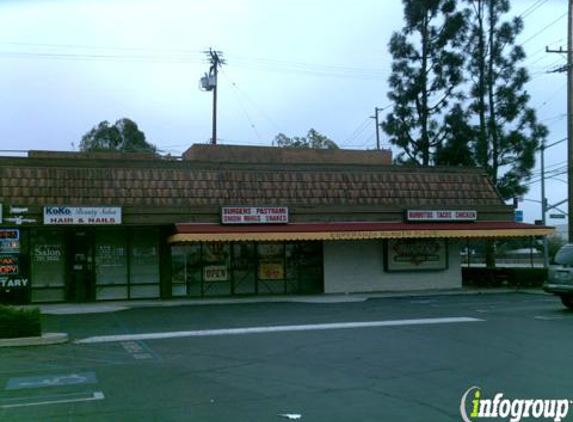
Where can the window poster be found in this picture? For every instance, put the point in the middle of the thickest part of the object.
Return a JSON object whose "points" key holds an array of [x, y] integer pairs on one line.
{"points": [[271, 269], [416, 255], [216, 259]]}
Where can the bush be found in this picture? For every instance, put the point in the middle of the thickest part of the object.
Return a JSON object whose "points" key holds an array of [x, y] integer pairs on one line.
{"points": [[19, 322], [504, 277]]}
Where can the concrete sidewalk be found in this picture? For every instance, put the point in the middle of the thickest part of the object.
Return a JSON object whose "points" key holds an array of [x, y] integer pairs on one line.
{"points": [[115, 306]]}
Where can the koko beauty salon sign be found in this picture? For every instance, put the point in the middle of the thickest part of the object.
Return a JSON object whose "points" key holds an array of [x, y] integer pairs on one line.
{"points": [[90, 216]]}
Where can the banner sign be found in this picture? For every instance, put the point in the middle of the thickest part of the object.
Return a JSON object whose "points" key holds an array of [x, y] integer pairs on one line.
{"points": [[416, 255], [88, 216], [441, 215], [254, 215]]}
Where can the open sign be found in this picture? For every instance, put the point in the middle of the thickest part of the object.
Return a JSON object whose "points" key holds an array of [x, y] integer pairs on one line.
{"points": [[8, 235], [8, 269]]}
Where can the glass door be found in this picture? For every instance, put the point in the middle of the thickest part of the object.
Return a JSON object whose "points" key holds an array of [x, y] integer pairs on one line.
{"points": [[81, 285]]}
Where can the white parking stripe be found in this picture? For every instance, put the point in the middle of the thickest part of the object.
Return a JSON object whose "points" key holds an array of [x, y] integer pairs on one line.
{"points": [[98, 395], [275, 329]]}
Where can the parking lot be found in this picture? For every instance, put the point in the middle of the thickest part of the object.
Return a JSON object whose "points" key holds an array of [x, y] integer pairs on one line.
{"points": [[381, 359]]}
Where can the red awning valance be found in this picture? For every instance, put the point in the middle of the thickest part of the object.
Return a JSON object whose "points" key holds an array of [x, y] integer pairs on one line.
{"points": [[353, 231]]}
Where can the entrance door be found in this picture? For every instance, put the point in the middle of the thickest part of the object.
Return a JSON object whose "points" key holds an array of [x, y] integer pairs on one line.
{"points": [[82, 281]]}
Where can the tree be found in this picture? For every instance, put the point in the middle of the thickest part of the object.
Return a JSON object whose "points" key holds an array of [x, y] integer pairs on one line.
{"points": [[313, 140], [427, 71], [123, 136], [507, 133]]}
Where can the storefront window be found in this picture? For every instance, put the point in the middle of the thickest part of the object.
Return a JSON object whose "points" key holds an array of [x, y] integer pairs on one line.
{"points": [[244, 264], [271, 267], [210, 269], [144, 264], [111, 265], [186, 269], [216, 269], [48, 266]]}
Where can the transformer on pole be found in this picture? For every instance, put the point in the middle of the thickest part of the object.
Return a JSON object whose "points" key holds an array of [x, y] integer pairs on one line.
{"points": [[209, 83]]}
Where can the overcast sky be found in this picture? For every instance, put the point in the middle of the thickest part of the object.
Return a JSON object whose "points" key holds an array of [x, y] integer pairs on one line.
{"points": [[66, 65]]}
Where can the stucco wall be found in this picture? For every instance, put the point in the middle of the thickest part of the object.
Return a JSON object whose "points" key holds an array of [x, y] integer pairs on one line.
{"points": [[358, 266]]}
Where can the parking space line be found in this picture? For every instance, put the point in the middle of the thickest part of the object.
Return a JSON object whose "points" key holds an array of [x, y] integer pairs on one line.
{"points": [[97, 395], [274, 329], [136, 350]]}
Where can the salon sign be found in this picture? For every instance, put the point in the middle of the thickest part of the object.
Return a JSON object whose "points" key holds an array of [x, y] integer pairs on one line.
{"points": [[84, 216]]}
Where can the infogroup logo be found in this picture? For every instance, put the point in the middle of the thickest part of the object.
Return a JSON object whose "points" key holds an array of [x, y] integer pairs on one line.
{"points": [[473, 407]]}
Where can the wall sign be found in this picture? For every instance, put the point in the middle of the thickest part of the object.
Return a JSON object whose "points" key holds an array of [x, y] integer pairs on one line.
{"points": [[441, 215], [254, 215], [9, 235], [89, 216], [9, 264], [7, 283], [416, 255]]}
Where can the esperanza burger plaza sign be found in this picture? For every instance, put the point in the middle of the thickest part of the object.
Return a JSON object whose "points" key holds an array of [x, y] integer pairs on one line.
{"points": [[90, 216], [254, 215]]}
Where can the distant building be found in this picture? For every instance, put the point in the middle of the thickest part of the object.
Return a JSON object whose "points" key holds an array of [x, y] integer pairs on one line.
{"points": [[231, 221]]}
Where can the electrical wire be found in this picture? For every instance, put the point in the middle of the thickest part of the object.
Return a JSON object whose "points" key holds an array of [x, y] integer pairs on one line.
{"points": [[532, 8], [544, 29], [248, 116]]}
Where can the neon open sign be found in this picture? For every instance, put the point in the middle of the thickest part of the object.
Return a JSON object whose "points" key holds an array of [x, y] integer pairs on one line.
{"points": [[9, 235]]}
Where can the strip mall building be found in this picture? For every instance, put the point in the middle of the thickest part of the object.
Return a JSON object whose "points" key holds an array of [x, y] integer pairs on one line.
{"points": [[226, 221]]}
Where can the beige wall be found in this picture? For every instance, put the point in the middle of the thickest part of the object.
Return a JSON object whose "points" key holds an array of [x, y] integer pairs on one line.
{"points": [[358, 266]]}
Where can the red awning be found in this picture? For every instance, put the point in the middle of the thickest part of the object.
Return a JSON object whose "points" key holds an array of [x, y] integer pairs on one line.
{"points": [[353, 231]]}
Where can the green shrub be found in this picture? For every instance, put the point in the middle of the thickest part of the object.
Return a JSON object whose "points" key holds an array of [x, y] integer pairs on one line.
{"points": [[19, 322], [504, 277]]}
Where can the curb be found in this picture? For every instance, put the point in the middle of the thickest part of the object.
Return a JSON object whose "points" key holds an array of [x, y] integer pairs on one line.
{"points": [[325, 298], [44, 340]]}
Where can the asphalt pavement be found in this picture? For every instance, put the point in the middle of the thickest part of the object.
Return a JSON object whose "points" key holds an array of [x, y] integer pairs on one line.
{"points": [[373, 359]]}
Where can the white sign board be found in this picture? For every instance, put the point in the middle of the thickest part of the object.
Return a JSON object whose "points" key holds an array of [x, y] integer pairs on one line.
{"points": [[441, 215], [254, 215], [85, 216]]}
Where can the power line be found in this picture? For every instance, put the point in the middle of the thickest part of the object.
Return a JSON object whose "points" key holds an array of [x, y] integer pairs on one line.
{"points": [[357, 132], [248, 116], [544, 29], [171, 55], [532, 8]]}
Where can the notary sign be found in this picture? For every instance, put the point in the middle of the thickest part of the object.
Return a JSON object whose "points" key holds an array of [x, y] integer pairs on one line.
{"points": [[441, 215], [89, 216], [254, 215]]}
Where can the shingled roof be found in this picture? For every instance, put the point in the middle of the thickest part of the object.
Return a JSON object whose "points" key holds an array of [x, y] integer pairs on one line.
{"points": [[186, 188]]}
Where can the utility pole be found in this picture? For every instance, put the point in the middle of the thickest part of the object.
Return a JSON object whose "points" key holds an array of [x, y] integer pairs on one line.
{"points": [[544, 206], [569, 69], [570, 121], [209, 83], [377, 121]]}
